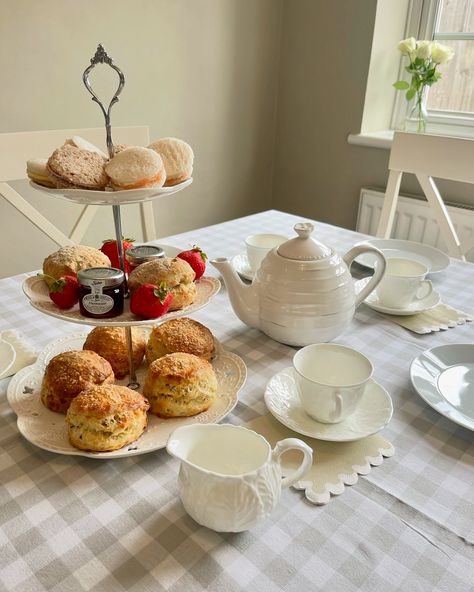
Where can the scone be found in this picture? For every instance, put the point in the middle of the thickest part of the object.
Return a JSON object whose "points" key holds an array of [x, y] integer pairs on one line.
{"points": [[180, 335], [176, 273], [177, 157], [180, 385], [111, 344], [136, 167], [105, 418], [69, 373], [71, 259], [72, 168]]}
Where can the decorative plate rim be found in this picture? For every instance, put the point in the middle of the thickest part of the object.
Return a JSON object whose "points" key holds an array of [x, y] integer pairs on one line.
{"points": [[73, 316], [34, 371]]}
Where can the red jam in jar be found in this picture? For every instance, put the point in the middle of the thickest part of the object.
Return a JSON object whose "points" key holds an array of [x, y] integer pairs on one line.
{"points": [[101, 292], [135, 256]]}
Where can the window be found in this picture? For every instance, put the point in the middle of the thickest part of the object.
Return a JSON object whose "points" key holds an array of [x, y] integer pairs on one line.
{"points": [[450, 101]]}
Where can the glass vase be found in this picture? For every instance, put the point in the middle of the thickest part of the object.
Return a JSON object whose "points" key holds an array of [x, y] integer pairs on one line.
{"points": [[417, 114]]}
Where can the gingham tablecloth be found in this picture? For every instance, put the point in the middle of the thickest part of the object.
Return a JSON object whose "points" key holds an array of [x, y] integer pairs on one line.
{"points": [[69, 523]]}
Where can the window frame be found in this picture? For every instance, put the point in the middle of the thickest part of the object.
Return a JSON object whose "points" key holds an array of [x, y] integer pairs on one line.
{"points": [[421, 22]]}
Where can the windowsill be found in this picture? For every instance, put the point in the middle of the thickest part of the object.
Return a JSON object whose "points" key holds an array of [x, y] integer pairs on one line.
{"points": [[381, 139]]}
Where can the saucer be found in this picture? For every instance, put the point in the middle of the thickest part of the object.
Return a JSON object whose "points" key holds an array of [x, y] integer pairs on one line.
{"points": [[421, 305], [434, 259], [242, 267], [444, 377], [373, 413]]}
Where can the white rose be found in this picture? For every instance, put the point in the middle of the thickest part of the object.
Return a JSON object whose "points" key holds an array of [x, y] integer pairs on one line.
{"points": [[440, 54], [407, 46], [423, 49]]}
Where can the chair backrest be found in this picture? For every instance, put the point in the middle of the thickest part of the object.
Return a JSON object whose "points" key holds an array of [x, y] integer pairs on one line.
{"points": [[16, 148], [427, 156]]}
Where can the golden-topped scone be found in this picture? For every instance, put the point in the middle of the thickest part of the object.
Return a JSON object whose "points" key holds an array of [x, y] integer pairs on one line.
{"points": [[69, 373], [105, 418], [176, 273], [180, 335], [180, 385], [111, 344], [73, 168], [71, 259]]}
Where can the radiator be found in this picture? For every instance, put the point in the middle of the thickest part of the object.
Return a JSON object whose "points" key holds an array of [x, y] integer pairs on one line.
{"points": [[414, 220]]}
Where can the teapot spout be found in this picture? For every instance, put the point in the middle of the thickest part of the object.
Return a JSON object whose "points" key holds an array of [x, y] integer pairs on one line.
{"points": [[243, 297]]}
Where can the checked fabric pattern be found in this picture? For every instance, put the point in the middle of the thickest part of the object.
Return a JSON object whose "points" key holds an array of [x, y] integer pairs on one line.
{"points": [[69, 524]]}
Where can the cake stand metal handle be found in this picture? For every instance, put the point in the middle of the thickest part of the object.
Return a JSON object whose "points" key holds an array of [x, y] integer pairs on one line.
{"points": [[101, 57]]}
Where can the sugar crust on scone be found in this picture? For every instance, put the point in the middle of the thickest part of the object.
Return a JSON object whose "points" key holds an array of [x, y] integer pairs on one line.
{"points": [[73, 258], [180, 385], [180, 335], [111, 344], [106, 418], [69, 373]]}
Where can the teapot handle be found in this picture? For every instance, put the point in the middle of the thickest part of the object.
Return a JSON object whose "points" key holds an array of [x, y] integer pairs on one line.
{"points": [[378, 273], [293, 444]]}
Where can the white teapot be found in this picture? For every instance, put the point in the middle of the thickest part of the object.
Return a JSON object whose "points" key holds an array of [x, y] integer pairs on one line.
{"points": [[230, 478], [303, 291]]}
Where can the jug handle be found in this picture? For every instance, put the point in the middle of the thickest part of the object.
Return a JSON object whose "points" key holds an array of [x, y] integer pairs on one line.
{"points": [[293, 444], [378, 273]]}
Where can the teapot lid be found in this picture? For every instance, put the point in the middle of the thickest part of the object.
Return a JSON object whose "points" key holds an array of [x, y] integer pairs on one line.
{"points": [[304, 247]]}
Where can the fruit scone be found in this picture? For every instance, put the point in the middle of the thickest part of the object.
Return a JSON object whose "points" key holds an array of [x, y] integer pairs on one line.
{"points": [[180, 385]]}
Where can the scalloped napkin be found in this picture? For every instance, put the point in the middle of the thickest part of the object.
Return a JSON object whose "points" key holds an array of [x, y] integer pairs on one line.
{"points": [[441, 317], [25, 353], [335, 464]]}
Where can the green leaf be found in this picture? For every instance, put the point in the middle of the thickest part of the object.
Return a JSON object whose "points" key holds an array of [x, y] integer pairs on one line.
{"points": [[401, 85], [410, 94]]}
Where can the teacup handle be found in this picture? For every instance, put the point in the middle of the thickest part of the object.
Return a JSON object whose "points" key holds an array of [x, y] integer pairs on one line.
{"points": [[425, 289], [293, 444], [378, 271], [336, 416]]}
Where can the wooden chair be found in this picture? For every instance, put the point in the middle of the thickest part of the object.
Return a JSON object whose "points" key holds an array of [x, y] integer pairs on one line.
{"points": [[428, 156]]}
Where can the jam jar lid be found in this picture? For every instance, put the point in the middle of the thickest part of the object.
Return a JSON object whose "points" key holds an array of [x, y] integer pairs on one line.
{"points": [[143, 253], [108, 276]]}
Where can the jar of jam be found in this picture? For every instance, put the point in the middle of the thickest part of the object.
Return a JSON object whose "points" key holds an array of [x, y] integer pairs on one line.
{"points": [[135, 256], [101, 292]]}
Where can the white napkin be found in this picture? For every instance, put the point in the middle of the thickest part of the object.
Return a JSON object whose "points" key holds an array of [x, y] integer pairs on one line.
{"points": [[25, 352]]}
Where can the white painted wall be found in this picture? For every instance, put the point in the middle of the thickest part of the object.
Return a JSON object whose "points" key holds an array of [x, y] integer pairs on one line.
{"points": [[202, 70]]}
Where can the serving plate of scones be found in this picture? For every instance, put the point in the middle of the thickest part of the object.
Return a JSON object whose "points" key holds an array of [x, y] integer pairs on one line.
{"points": [[106, 414], [37, 292]]}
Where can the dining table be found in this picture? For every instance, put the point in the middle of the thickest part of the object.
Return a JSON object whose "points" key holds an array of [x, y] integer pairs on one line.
{"points": [[73, 523]]}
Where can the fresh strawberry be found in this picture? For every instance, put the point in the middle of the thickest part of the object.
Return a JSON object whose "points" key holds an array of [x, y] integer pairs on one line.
{"points": [[64, 292], [150, 301], [196, 259], [110, 248]]}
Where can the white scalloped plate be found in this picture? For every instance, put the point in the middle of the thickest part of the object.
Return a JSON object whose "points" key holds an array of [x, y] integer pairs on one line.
{"points": [[372, 414], [47, 429], [7, 357], [112, 198], [36, 290]]}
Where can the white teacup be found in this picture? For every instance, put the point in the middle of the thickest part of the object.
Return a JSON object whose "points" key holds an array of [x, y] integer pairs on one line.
{"points": [[403, 283], [258, 245], [331, 380]]}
